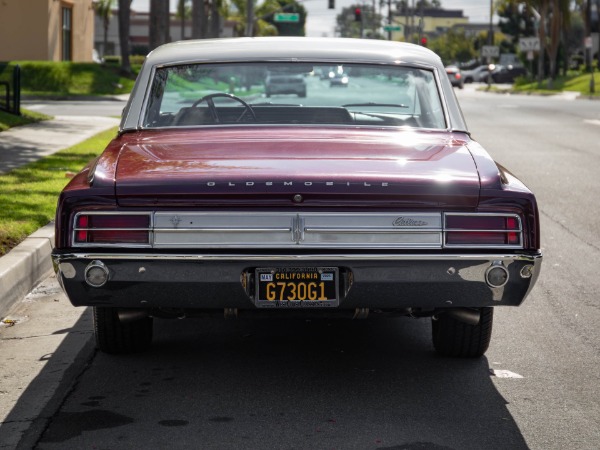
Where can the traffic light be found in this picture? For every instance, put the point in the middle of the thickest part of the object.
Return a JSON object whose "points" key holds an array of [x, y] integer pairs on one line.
{"points": [[357, 15], [331, 4], [424, 41]]}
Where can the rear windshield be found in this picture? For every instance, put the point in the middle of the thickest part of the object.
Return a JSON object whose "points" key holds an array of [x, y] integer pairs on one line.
{"points": [[293, 93]]}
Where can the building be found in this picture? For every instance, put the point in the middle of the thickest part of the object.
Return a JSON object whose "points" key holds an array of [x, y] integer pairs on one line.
{"points": [[474, 29], [49, 30], [430, 22], [139, 31]]}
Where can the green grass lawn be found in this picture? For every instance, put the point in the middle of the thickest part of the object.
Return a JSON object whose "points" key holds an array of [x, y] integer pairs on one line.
{"points": [[67, 79], [10, 120], [575, 82], [28, 195]]}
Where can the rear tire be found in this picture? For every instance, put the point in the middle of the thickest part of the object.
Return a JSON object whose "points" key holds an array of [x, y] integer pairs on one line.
{"points": [[114, 336], [452, 337]]}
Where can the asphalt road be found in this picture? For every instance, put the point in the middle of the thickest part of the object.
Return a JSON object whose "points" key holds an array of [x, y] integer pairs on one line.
{"points": [[373, 384]]}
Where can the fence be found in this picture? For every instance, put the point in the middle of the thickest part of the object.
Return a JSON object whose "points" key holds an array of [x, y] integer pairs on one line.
{"points": [[10, 89]]}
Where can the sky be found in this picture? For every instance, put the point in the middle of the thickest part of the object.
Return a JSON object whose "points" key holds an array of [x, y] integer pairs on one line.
{"points": [[321, 21]]}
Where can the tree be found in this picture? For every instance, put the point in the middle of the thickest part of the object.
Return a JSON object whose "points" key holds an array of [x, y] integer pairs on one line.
{"points": [[215, 18], [289, 28], [559, 21], [104, 11], [159, 23], [516, 19], [347, 26], [124, 14], [183, 12], [260, 27], [199, 19], [454, 46]]}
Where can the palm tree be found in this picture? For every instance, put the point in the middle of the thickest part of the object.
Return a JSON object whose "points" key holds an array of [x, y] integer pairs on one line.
{"points": [[183, 12], [554, 17], [198, 19], [159, 23], [259, 26], [124, 14], [104, 10], [215, 18]]}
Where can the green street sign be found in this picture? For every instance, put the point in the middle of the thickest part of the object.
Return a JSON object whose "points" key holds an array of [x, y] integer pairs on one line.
{"points": [[392, 28], [286, 17]]}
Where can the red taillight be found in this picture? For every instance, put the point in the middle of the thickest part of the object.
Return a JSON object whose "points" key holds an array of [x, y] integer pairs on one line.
{"points": [[82, 222], [482, 230], [112, 229]]}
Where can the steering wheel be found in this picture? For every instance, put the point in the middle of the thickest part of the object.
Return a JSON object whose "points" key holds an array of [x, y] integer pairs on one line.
{"points": [[213, 109]]}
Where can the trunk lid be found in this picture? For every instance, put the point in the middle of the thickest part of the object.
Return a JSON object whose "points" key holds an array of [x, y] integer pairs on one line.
{"points": [[287, 166]]}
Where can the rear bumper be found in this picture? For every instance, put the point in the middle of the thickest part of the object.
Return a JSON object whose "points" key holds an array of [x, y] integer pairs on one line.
{"points": [[376, 281]]}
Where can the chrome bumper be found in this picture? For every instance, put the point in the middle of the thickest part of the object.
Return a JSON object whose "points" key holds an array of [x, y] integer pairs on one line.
{"points": [[377, 281]]}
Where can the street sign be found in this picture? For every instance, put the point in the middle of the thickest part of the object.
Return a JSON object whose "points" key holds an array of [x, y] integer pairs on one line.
{"points": [[286, 17], [492, 51], [529, 44], [392, 28]]}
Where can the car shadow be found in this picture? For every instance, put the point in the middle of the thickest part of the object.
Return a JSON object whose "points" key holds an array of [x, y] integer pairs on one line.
{"points": [[209, 383]]}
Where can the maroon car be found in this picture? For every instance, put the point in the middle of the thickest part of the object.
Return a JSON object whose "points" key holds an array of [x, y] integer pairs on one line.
{"points": [[368, 201]]}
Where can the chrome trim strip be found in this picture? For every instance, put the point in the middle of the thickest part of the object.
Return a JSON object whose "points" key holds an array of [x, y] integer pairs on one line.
{"points": [[536, 258], [368, 224], [221, 230], [370, 230]]}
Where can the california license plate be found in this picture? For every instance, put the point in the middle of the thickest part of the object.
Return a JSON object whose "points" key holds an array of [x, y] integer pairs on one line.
{"points": [[297, 287]]}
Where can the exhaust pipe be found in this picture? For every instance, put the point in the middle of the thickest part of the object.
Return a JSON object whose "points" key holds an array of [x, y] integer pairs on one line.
{"points": [[465, 315], [131, 315]]}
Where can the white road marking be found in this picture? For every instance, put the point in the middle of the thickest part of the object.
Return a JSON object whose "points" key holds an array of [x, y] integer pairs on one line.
{"points": [[592, 122], [504, 374]]}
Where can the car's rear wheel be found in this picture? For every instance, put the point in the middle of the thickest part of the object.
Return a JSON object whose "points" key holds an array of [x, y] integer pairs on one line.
{"points": [[453, 337], [116, 336]]}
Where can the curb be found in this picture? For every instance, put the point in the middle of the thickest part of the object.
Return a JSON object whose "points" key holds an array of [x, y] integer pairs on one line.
{"points": [[25, 266]]}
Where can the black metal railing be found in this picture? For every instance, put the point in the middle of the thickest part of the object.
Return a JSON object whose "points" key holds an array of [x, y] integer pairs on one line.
{"points": [[10, 89]]}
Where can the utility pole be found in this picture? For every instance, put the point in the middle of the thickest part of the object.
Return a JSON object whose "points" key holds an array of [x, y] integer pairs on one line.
{"points": [[491, 32], [421, 22], [389, 21]]}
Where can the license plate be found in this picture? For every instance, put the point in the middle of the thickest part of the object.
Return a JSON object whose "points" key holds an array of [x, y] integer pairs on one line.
{"points": [[297, 287]]}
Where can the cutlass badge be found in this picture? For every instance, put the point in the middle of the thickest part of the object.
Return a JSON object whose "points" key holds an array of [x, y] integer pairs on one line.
{"points": [[408, 222]]}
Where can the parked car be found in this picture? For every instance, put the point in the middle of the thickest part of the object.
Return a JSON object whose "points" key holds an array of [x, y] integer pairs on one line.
{"points": [[455, 76], [507, 74], [339, 79], [372, 202], [278, 83], [476, 74]]}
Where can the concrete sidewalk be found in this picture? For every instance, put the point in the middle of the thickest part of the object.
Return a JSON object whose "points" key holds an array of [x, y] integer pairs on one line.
{"points": [[29, 263]]}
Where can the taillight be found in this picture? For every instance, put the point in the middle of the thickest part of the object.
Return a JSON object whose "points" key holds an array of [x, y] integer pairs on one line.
{"points": [[111, 229], [482, 230]]}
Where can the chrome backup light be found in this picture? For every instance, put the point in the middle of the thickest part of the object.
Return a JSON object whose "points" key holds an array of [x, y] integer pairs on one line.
{"points": [[96, 274], [527, 271], [496, 276]]}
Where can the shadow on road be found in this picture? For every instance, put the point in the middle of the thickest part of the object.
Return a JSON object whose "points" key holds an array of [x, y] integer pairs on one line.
{"points": [[292, 384]]}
